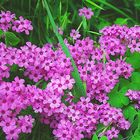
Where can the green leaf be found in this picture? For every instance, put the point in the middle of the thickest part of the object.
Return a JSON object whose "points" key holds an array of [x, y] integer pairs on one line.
{"points": [[121, 21], [14, 68], [118, 98], [1, 32], [102, 24], [103, 138], [124, 84], [134, 60], [134, 125], [135, 77], [136, 135], [11, 39], [44, 85], [39, 82], [129, 113], [135, 81], [114, 100], [75, 73], [128, 134], [139, 118], [134, 86], [124, 99], [120, 137], [95, 137]]}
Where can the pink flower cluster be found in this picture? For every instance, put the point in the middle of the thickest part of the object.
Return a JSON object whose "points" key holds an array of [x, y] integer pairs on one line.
{"points": [[80, 120], [112, 116], [71, 120], [8, 21], [135, 97], [40, 63], [86, 12], [14, 97], [115, 38], [53, 66]]}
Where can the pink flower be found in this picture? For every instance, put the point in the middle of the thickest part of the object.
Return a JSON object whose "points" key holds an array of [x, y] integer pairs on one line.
{"points": [[86, 12], [112, 133], [69, 82], [96, 77], [7, 122], [18, 83], [54, 102], [12, 132], [74, 34]]}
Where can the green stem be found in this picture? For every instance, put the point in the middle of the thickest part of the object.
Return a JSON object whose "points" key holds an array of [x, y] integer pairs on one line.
{"points": [[79, 26], [95, 33]]}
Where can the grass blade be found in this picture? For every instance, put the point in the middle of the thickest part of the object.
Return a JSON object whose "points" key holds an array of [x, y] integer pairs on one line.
{"points": [[75, 73], [92, 32], [94, 4]]}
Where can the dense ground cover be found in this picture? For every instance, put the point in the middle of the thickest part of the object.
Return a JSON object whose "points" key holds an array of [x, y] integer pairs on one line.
{"points": [[69, 70]]}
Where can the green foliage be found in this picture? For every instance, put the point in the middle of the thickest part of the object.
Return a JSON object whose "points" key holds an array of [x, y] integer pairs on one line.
{"points": [[95, 137], [103, 23], [136, 135], [121, 21], [135, 81], [1, 33], [14, 68], [117, 97], [135, 77], [129, 113], [103, 138], [44, 85], [134, 60], [11, 39]]}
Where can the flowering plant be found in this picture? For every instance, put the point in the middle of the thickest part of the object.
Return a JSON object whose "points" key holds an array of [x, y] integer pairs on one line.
{"points": [[80, 87]]}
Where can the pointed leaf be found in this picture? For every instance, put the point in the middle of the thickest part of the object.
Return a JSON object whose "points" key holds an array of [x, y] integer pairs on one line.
{"points": [[103, 138], [129, 113], [95, 137]]}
